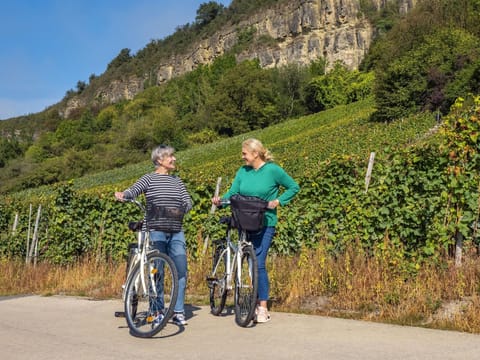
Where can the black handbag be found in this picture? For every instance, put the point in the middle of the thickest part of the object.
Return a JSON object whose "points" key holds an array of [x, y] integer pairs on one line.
{"points": [[248, 212]]}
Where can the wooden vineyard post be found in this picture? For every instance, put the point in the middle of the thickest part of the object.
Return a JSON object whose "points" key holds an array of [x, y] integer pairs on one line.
{"points": [[458, 249], [34, 246], [15, 224], [212, 210], [28, 234], [369, 170]]}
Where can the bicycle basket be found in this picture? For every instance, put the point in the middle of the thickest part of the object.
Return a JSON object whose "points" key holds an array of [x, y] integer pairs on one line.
{"points": [[248, 212], [166, 216]]}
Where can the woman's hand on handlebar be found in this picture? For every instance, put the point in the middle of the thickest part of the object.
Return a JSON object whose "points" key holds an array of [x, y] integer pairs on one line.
{"points": [[217, 201]]}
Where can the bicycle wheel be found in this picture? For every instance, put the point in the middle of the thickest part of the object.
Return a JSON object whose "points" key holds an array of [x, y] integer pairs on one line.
{"points": [[151, 293], [217, 281], [246, 287]]}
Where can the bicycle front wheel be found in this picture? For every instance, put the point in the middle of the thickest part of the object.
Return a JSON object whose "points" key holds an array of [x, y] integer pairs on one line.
{"points": [[217, 281], [246, 287], [151, 293]]}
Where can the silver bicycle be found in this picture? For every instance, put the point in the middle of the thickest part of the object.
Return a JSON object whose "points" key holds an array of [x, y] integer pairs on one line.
{"points": [[151, 288], [234, 267]]}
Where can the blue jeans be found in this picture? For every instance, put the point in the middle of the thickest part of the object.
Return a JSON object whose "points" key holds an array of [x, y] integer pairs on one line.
{"points": [[261, 242], [174, 245]]}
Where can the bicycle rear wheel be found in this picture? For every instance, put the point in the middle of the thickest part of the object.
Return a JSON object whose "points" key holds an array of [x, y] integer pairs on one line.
{"points": [[217, 281], [246, 287], [151, 293]]}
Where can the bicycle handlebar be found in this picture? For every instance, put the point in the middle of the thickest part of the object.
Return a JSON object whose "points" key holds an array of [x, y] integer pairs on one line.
{"points": [[136, 202]]}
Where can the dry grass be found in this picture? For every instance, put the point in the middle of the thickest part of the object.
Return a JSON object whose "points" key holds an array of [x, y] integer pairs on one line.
{"points": [[376, 288], [86, 278]]}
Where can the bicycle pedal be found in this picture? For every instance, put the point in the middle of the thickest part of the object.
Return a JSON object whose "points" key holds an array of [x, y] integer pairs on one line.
{"points": [[119, 314]]}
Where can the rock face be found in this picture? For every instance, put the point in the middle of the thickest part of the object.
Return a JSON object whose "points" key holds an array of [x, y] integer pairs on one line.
{"points": [[301, 31], [304, 31]]}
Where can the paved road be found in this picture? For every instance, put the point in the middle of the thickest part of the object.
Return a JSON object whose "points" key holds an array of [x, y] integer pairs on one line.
{"points": [[57, 327]]}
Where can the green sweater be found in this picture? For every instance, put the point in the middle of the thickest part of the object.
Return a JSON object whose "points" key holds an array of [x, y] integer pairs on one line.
{"points": [[264, 183]]}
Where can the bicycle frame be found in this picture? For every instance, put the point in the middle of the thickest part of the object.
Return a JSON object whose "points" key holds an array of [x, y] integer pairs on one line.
{"points": [[141, 252], [143, 240], [233, 255]]}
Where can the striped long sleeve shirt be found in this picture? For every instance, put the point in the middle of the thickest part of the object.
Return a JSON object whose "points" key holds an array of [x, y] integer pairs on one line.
{"points": [[162, 192]]}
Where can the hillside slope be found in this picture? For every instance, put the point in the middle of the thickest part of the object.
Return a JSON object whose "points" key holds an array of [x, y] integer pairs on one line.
{"points": [[298, 145]]}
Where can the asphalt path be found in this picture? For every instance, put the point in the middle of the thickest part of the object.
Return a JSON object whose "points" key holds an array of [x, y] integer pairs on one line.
{"points": [[67, 328]]}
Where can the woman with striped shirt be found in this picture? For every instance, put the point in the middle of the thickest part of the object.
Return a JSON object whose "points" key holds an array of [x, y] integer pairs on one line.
{"points": [[167, 201]]}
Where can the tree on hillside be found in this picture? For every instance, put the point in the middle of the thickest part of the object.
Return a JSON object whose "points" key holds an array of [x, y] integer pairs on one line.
{"points": [[157, 127], [430, 76], [9, 149], [339, 86], [81, 86], [424, 62], [123, 57], [290, 81], [207, 12], [244, 100]]}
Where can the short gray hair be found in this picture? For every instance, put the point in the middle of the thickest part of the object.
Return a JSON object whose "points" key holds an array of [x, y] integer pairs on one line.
{"points": [[160, 152]]}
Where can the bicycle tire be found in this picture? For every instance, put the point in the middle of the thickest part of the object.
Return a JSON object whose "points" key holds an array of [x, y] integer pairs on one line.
{"points": [[143, 306], [217, 281], [246, 287]]}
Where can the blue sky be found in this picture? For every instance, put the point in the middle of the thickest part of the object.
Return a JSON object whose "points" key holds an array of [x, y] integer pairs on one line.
{"points": [[47, 46]]}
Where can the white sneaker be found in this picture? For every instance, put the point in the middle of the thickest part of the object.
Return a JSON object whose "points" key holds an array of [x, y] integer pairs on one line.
{"points": [[179, 319], [158, 320], [262, 315]]}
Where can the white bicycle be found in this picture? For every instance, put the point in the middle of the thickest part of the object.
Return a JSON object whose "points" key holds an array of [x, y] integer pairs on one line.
{"points": [[151, 287], [234, 267]]}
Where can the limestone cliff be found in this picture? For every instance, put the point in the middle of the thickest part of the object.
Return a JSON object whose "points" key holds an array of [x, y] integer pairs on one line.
{"points": [[301, 30]]}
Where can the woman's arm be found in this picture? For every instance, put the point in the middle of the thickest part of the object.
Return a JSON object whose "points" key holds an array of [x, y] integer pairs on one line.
{"points": [[291, 187]]}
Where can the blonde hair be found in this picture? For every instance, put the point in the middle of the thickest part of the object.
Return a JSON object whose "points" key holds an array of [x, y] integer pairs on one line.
{"points": [[256, 145], [160, 152]]}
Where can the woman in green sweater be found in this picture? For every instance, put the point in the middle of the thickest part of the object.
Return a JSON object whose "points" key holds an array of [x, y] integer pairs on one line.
{"points": [[262, 178]]}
